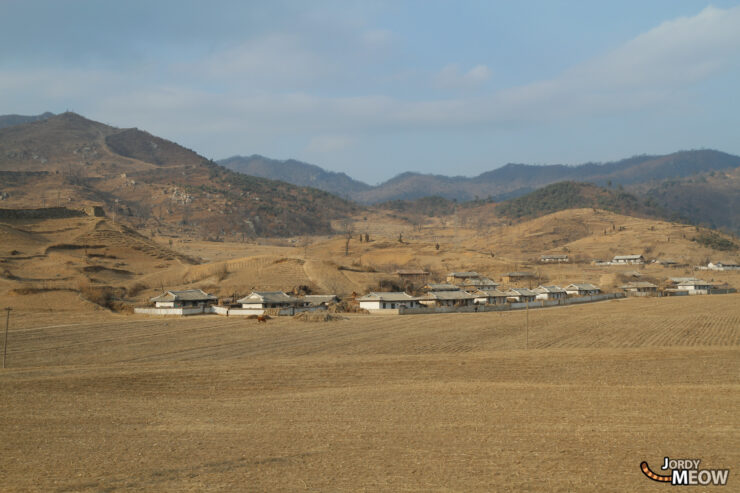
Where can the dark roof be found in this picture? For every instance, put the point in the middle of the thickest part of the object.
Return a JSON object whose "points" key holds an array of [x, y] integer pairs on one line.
{"points": [[268, 297], [391, 296], [638, 284], [186, 295], [441, 287], [520, 292], [463, 274], [519, 274], [548, 289], [583, 287], [318, 299], [412, 272], [448, 295]]}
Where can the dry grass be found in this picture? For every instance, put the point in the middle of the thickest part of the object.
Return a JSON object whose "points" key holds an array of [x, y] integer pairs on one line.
{"points": [[414, 403]]}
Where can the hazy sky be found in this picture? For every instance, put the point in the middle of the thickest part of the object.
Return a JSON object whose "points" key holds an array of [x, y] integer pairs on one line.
{"points": [[375, 88]]}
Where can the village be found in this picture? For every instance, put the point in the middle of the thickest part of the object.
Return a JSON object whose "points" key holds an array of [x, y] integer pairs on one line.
{"points": [[458, 292]]}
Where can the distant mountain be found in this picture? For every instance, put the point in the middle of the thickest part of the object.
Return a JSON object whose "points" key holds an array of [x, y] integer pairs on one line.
{"points": [[516, 179], [509, 181], [10, 120], [150, 182], [297, 173]]}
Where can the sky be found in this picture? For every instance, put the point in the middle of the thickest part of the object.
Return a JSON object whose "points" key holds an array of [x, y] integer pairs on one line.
{"points": [[376, 88]]}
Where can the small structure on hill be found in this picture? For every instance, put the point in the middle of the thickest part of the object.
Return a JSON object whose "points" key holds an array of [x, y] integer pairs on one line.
{"points": [[550, 293], [447, 299], [412, 274], [628, 259], [184, 299], [460, 277], [582, 289], [554, 259], [723, 265], [640, 288], [475, 283], [388, 301], [517, 276], [260, 300], [441, 287]]}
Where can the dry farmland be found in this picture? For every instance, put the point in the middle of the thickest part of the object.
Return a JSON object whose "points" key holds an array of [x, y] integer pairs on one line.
{"points": [[103, 402]]}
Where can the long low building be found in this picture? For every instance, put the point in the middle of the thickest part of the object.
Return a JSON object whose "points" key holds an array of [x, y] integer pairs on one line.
{"points": [[260, 300], [183, 299], [447, 298], [388, 301]]}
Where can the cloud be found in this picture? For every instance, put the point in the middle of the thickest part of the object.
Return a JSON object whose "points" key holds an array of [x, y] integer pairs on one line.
{"points": [[450, 77]]}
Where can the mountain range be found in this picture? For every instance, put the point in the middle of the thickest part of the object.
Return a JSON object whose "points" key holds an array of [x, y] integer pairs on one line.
{"points": [[502, 183]]}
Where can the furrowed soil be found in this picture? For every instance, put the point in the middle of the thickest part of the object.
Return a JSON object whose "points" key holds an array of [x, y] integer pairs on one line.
{"points": [[451, 402]]}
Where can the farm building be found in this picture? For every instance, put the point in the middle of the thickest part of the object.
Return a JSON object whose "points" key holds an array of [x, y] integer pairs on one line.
{"points": [[459, 277], [554, 259], [628, 259], [521, 295], [441, 287], [582, 289], [479, 283], [412, 274], [550, 293], [489, 297], [447, 298], [723, 265], [388, 301], [640, 288], [260, 300], [183, 299], [517, 276], [695, 286], [320, 300]]}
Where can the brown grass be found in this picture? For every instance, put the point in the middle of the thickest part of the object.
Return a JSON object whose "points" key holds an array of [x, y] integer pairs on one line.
{"points": [[414, 403]]}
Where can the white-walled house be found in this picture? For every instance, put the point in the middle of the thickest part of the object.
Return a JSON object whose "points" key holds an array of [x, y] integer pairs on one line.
{"points": [[723, 265], [459, 277], [388, 301], [550, 293], [441, 287], [628, 259], [695, 286], [521, 295], [582, 289], [260, 300], [447, 298], [550, 259], [183, 299], [489, 297]]}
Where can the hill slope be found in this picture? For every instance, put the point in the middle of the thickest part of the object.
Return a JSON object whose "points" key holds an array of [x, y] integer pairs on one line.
{"points": [[10, 120], [151, 182], [297, 173]]}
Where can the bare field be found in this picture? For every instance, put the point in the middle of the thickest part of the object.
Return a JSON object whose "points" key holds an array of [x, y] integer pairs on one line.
{"points": [[102, 402]]}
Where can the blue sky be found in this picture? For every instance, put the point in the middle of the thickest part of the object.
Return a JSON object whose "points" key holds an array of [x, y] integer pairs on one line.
{"points": [[376, 88]]}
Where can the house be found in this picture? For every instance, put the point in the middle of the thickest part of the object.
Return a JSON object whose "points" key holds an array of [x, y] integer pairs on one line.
{"points": [[447, 298], [675, 281], [723, 265], [695, 286], [320, 300], [667, 262], [184, 299], [412, 274], [261, 300], [550, 293], [628, 259], [582, 289], [479, 283], [388, 301], [441, 287], [521, 295], [489, 297], [459, 277], [549, 259], [517, 276], [639, 288]]}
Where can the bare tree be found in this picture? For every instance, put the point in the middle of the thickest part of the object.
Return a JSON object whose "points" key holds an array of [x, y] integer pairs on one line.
{"points": [[348, 230]]}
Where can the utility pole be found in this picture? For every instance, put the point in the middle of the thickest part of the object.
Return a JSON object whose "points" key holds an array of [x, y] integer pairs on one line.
{"points": [[7, 324], [526, 311]]}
